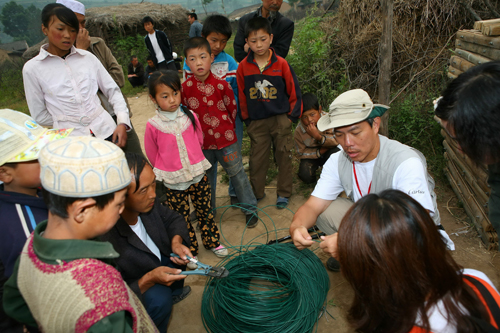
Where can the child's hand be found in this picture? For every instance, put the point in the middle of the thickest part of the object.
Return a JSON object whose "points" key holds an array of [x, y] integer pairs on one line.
{"points": [[313, 131]]}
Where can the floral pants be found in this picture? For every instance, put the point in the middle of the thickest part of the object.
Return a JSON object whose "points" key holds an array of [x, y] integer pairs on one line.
{"points": [[200, 197]]}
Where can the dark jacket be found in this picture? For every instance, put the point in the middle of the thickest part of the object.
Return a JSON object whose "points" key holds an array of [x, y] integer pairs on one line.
{"points": [[270, 93], [164, 44], [135, 260], [139, 70], [282, 28]]}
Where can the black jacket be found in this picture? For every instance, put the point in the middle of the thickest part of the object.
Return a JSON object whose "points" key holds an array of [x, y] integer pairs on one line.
{"points": [[282, 28], [139, 70], [164, 44], [135, 260]]}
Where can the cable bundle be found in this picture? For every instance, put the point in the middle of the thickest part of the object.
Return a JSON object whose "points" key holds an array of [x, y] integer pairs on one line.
{"points": [[273, 288]]}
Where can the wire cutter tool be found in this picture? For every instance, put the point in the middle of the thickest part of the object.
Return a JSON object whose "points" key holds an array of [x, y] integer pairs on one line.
{"points": [[217, 272]]}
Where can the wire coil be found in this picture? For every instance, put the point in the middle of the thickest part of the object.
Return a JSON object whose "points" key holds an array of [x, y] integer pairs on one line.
{"points": [[271, 289]]}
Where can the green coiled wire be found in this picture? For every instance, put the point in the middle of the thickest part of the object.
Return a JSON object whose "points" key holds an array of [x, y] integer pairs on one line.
{"points": [[272, 288]]}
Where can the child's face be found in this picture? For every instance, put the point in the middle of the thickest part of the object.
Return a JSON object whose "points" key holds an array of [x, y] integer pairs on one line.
{"points": [[259, 42], [217, 42], [100, 221], [167, 99], [61, 36], [199, 60], [142, 199], [24, 176], [149, 27], [310, 116]]}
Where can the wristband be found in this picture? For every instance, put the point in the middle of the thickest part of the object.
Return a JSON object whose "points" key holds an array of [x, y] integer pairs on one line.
{"points": [[323, 140]]}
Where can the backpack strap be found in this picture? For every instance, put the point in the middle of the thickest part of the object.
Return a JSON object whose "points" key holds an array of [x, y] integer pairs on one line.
{"points": [[491, 300]]}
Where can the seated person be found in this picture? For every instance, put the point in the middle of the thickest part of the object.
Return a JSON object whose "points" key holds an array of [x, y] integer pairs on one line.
{"points": [[312, 146], [150, 69], [403, 277], [135, 72], [144, 236], [21, 202], [63, 280]]}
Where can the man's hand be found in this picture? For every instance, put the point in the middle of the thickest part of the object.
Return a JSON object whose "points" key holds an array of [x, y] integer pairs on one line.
{"points": [[329, 244], [83, 39], [181, 250], [132, 75], [246, 47], [160, 275], [313, 131], [301, 238], [120, 135]]}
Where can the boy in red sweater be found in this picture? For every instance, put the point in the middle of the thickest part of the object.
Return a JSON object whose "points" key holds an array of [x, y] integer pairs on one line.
{"points": [[212, 99], [270, 100]]}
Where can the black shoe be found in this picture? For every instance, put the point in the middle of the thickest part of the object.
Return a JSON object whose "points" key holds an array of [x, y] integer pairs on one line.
{"points": [[252, 220], [333, 264], [234, 201], [186, 290]]}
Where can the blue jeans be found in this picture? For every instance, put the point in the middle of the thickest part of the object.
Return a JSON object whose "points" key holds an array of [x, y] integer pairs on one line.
{"points": [[158, 299], [230, 159]]}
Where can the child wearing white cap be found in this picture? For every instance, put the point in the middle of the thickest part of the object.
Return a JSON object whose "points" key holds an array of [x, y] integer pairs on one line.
{"points": [[21, 203], [63, 281]]}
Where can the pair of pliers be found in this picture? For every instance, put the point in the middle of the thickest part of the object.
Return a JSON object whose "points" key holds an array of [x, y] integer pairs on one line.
{"points": [[218, 272]]}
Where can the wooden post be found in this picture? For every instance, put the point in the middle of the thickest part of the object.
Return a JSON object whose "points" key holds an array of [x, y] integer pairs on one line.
{"points": [[385, 61]]}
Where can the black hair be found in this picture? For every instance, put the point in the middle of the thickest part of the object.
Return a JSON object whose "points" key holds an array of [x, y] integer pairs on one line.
{"points": [[147, 19], [193, 15], [133, 57], [136, 163], [196, 43], [63, 13], [471, 105], [310, 101], [256, 24], [12, 165], [58, 205], [171, 79], [149, 58], [218, 24]]}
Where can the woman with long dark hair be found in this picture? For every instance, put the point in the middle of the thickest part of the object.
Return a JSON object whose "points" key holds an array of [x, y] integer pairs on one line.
{"points": [[403, 277]]}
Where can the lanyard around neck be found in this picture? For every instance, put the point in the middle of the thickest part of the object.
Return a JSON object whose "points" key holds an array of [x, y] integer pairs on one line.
{"points": [[357, 184]]}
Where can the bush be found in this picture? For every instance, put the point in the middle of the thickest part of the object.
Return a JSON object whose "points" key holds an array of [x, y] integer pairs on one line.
{"points": [[12, 88], [125, 47], [318, 67]]}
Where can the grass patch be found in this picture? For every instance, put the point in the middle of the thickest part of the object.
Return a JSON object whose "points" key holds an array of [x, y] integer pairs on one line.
{"points": [[12, 88]]}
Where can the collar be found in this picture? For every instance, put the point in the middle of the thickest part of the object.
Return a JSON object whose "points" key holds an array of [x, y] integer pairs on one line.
{"points": [[210, 75], [158, 111], [272, 58], [271, 18], [44, 54], [69, 249]]}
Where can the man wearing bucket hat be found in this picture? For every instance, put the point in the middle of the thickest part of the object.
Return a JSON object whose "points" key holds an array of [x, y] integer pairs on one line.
{"points": [[368, 163], [63, 280], [21, 204]]}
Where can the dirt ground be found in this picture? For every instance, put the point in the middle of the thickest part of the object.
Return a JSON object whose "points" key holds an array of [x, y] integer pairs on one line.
{"points": [[186, 316]]}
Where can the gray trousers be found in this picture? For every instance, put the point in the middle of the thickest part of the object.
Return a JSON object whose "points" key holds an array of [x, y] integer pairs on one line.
{"points": [[329, 220]]}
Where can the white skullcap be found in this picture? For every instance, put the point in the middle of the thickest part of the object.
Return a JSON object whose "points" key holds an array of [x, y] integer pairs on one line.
{"points": [[74, 5]]}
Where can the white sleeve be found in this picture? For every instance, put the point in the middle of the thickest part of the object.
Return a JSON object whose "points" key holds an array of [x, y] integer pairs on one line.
{"points": [[113, 93], [329, 186], [35, 96], [411, 179]]}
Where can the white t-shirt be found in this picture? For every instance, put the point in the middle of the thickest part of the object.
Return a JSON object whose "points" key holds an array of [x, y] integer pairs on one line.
{"points": [[437, 314], [141, 232], [409, 178], [156, 47]]}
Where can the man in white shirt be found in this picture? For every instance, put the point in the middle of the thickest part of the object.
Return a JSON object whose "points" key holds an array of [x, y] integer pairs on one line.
{"points": [[367, 163]]}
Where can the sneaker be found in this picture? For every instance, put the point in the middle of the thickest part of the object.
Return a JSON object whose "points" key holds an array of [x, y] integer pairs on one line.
{"points": [[281, 202], [251, 220], [234, 201], [186, 290], [192, 265], [333, 264], [220, 251]]}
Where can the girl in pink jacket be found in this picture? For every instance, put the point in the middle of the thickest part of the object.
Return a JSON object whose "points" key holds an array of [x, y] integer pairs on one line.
{"points": [[173, 143]]}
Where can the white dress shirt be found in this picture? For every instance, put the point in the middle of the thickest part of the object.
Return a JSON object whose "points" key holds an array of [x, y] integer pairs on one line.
{"points": [[62, 93]]}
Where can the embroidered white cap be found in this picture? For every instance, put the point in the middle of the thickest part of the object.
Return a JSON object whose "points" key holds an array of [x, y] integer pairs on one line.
{"points": [[349, 108], [83, 166], [74, 5], [21, 138]]}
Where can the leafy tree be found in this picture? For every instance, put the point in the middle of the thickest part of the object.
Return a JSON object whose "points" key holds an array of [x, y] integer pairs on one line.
{"points": [[22, 23]]}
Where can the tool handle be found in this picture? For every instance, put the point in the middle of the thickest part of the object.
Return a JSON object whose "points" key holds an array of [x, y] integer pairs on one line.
{"points": [[176, 256]]}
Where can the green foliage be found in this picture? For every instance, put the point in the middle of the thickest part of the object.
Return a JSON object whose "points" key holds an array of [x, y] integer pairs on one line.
{"points": [[12, 88], [411, 122], [22, 23], [317, 67], [125, 47]]}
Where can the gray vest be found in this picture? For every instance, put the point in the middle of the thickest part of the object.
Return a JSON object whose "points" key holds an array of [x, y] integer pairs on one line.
{"points": [[391, 155]]}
